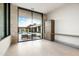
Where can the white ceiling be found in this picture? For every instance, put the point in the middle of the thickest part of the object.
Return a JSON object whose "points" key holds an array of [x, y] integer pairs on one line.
{"points": [[40, 7]]}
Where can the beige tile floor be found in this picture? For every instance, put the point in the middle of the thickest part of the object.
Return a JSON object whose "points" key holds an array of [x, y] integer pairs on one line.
{"points": [[41, 48]]}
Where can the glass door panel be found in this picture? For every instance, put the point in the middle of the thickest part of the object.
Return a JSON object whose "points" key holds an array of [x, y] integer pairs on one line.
{"points": [[37, 27], [25, 20]]}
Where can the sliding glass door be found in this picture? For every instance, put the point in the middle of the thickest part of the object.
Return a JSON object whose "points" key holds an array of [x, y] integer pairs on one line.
{"points": [[37, 27], [30, 25]]}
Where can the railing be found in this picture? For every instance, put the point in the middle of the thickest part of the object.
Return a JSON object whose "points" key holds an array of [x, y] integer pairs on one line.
{"points": [[65, 34]]}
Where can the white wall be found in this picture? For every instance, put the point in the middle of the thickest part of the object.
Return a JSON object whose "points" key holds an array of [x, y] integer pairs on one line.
{"points": [[67, 22], [4, 45]]}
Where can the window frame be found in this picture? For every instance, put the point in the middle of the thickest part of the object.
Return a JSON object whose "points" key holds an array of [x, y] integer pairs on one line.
{"points": [[6, 8], [32, 16]]}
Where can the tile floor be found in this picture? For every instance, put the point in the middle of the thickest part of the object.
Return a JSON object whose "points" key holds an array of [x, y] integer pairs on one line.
{"points": [[41, 48]]}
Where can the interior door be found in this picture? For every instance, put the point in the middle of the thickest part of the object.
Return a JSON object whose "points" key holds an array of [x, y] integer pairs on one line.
{"points": [[49, 29]]}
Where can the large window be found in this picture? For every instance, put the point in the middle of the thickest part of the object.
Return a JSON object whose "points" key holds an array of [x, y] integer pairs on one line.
{"points": [[4, 20], [1, 21], [30, 24]]}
